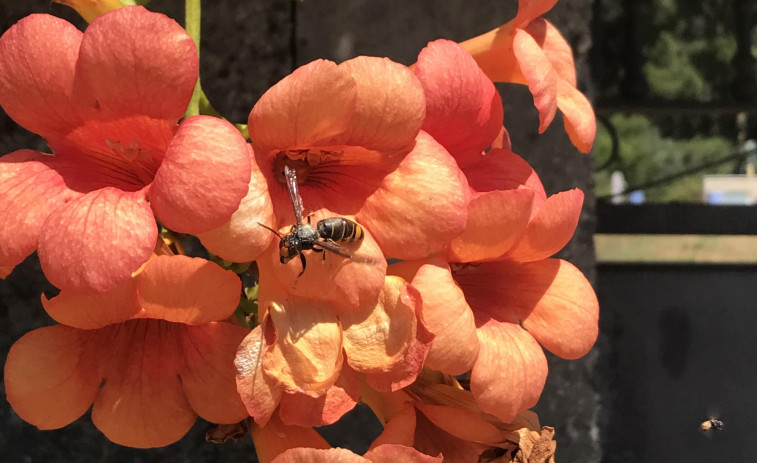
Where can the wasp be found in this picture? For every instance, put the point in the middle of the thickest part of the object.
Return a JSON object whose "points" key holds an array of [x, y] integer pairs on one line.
{"points": [[304, 236]]}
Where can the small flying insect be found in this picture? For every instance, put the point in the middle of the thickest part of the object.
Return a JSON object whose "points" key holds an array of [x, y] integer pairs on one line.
{"points": [[304, 236], [710, 424]]}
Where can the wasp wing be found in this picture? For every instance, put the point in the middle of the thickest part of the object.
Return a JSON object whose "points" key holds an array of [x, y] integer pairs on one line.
{"points": [[336, 249], [294, 193]]}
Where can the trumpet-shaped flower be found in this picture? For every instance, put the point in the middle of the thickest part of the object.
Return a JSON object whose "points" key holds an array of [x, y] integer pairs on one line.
{"points": [[107, 102], [529, 50], [90, 9], [147, 359], [305, 355], [351, 133]]}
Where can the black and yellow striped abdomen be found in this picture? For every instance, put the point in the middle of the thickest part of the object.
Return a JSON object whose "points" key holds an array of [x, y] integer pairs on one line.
{"points": [[339, 229]]}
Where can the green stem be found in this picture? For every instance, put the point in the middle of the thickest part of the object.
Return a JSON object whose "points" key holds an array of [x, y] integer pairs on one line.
{"points": [[192, 16]]}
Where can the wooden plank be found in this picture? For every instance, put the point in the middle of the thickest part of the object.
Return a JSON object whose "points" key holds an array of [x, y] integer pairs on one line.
{"points": [[683, 249]]}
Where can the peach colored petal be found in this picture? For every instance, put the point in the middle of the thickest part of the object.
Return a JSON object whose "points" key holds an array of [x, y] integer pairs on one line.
{"points": [[555, 47], [541, 78], [30, 188], [241, 239], [313, 104], [51, 377], [503, 140], [386, 343], [414, 213], [550, 298], [302, 410], [306, 356], [551, 228], [433, 440], [5, 271], [309, 455], [77, 238], [204, 175], [399, 430], [187, 290], [256, 390], [463, 109], [399, 453], [493, 52], [502, 169], [208, 373], [510, 372], [142, 403], [496, 221], [38, 56], [276, 437], [531, 9], [462, 424], [133, 61], [92, 311], [329, 278], [445, 313], [578, 116], [390, 105]]}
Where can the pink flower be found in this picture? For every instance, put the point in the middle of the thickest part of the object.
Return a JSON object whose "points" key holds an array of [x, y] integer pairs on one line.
{"points": [[107, 102]]}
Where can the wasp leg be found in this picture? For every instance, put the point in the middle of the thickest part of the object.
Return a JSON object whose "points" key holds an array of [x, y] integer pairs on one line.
{"points": [[304, 262], [320, 250]]}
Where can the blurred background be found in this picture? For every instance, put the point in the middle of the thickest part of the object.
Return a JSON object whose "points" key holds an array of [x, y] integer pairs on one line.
{"points": [[667, 234]]}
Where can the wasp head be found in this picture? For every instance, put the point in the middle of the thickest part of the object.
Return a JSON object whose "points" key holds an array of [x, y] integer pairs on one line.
{"points": [[289, 248]]}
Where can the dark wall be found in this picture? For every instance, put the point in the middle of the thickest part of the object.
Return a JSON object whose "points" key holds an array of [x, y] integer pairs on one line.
{"points": [[248, 46], [682, 346]]}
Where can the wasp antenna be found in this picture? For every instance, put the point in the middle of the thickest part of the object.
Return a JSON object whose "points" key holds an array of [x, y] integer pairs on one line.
{"points": [[271, 229]]}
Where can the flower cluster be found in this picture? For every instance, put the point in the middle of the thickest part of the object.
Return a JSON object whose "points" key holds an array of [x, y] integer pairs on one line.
{"points": [[350, 166]]}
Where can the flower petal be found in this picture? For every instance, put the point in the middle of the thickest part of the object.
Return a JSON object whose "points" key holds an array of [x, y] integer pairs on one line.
{"points": [[208, 374], [463, 109], [531, 9], [313, 104], [187, 290], [203, 177], [38, 57], [390, 105], [496, 221], [242, 239], [502, 169], [256, 390], [510, 372], [30, 188], [77, 237], [540, 76], [92, 311], [414, 213], [142, 403], [445, 313], [386, 342], [310, 455], [302, 410], [51, 378], [549, 298], [463, 424], [555, 47], [276, 437], [578, 116], [390, 453], [432, 440], [551, 228], [133, 61], [306, 356]]}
